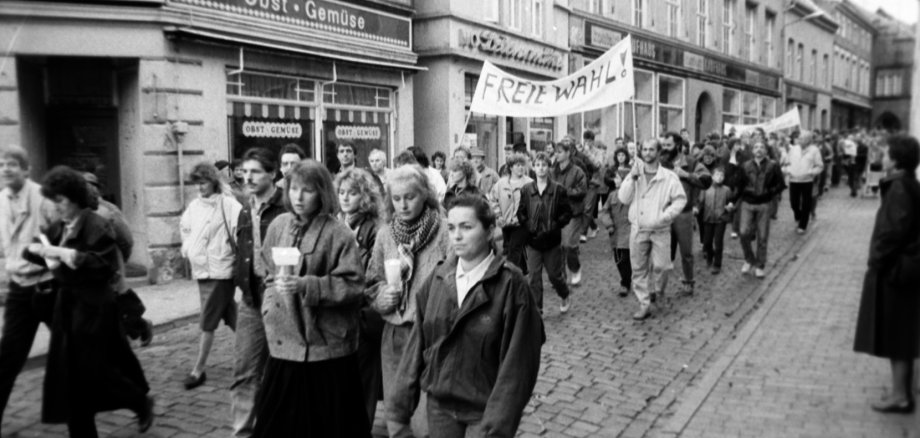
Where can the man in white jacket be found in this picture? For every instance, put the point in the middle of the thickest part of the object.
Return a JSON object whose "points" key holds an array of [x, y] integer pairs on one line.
{"points": [[803, 164], [655, 197]]}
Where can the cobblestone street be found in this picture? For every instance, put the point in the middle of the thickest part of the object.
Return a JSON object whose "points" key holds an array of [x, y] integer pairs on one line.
{"points": [[741, 357]]}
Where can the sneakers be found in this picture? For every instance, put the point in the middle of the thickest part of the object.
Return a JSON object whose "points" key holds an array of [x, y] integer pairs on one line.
{"points": [[686, 289], [745, 268], [716, 270], [734, 235], [643, 313], [564, 307], [624, 291], [575, 279], [800, 231], [592, 233], [583, 238], [759, 273], [192, 382]]}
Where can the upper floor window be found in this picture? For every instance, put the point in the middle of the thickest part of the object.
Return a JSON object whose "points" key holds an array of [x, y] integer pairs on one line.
{"points": [[771, 52], [728, 25], [514, 13], [490, 10], [790, 48], [825, 76], [538, 18], [640, 13], [750, 21], [813, 68], [702, 22], [800, 63], [674, 18]]}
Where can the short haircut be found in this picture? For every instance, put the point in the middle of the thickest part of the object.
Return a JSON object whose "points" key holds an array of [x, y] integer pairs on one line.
{"points": [[564, 145], [292, 148], [419, 155], [312, 174], [542, 157], [904, 151], [517, 158], [416, 177], [760, 131], [68, 183], [15, 152], [588, 135], [654, 141], [404, 158], [465, 150], [375, 152], [465, 167], [678, 140], [236, 163], [263, 156], [683, 130], [362, 182], [480, 207], [205, 172], [519, 147], [345, 145]]}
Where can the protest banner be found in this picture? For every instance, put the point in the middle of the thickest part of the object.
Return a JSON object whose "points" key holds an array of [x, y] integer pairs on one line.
{"points": [[605, 81], [789, 119]]}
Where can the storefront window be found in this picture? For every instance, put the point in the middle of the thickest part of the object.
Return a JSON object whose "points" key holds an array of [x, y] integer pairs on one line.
{"points": [[356, 95], [593, 121], [768, 108], [481, 130], [541, 132], [271, 87], [670, 103], [731, 106], [751, 108], [638, 115], [363, 130]]}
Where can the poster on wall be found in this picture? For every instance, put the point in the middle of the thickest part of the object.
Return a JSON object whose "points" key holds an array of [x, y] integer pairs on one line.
{"points": [[364, 137], [272, 134]]}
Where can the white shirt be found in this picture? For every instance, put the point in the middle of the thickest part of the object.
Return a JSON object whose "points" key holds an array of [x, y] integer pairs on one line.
{"points": [[466, 279]]}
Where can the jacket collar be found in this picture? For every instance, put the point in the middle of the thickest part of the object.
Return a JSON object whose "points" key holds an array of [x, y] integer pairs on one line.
{"points": [[314, 229], [477, 296], [76, 226]]}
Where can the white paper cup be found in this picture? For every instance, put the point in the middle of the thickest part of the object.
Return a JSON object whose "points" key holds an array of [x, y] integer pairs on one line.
{"points": [[285, 259], [393, 269]]}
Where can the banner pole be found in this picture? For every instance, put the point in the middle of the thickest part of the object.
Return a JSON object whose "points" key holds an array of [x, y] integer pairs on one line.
{"points": [[635, 125], [463, 130]]}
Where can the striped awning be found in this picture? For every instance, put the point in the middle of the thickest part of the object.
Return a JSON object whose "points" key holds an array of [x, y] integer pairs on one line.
{"points": [[270, 111]]}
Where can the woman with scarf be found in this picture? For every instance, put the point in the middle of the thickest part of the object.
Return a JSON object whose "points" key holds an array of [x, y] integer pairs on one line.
{"points": [[413, 242], [311, 385], [91, 367], [360, 207]]}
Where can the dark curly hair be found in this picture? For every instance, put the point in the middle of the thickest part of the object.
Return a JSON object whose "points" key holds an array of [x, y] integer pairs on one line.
{"points": [[68, 183]]}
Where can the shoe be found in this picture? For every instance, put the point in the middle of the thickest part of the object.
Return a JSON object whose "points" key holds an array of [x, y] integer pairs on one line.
{"points": [[147, 334], [686, 289], [734, 235], [576, 278], [887, 406], [759, 273], [192, 382], [564, 307], [592, 233], [800, 231], [716, 271], [145, 418], [745, 268], [583, 238], [643, 313], [623, 292]]}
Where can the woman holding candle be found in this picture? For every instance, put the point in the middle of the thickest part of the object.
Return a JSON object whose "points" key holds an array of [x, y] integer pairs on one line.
{"points": [[413, 241], [312, 386]]}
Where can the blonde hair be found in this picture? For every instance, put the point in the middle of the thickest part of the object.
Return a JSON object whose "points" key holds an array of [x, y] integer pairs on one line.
{"points": [[362, 182], [417, 179]]}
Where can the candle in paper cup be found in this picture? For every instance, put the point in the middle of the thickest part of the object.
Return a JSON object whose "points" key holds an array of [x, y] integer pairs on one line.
{"points": [[393, 269], [285, 258]]}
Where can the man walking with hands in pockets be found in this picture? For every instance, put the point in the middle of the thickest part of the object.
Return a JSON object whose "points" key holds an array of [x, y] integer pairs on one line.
{"points": [[655, 197]]}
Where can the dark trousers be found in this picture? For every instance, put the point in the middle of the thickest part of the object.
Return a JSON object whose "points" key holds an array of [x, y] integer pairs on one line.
{"points": [[25, 309], [82, 425], [682, 237], [836, 174], [800, 196], [713, 238], [371, 334], [854, 177], [621, 260], [551, 260], [450, 423], [514, 239]]}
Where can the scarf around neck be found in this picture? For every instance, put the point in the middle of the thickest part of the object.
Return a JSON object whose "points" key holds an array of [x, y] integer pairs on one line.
{"points": [[410, 238]]}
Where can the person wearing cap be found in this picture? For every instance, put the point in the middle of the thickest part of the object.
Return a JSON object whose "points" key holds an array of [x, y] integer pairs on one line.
{"points": [[130, 307], [487, 175]]}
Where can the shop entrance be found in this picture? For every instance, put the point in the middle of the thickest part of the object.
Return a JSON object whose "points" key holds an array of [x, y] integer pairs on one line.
{"points": [[705, 116], [889, 122]]}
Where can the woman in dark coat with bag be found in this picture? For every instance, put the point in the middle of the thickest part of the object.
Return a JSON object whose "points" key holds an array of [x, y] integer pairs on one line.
{"points": [[889, 313], [91, 367]]}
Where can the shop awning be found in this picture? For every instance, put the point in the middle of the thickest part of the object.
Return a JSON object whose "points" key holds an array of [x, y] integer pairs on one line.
{"points": [[228, 38], [848, 101]]}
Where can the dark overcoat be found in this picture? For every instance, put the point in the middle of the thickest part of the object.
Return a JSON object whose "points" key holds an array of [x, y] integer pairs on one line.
{"points": [[91, 367], [888, 324]]}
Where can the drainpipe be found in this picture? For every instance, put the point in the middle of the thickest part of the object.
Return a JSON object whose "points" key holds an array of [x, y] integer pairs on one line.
{"points": [[321, 112]]}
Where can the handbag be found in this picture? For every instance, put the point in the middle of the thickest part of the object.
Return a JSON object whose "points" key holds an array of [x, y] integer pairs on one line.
{"points": [[223, 215]]}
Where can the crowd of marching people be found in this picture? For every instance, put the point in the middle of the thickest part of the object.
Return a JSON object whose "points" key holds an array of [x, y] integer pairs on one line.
{"points": [[420, 285]]}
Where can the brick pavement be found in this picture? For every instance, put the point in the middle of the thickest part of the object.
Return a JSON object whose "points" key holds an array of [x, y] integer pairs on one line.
{"points": [[792, 372], [602, 374]]}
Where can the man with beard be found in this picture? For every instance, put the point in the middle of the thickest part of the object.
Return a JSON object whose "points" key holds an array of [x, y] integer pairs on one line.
{"points": [[655, 197], [251, 352], [694, 177]]}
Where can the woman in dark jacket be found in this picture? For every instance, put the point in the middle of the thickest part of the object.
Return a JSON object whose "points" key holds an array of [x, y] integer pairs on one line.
{"points": [[311, 386], [91, 367], [475, 346], [889, 312], [461, 180], [360, 207]]}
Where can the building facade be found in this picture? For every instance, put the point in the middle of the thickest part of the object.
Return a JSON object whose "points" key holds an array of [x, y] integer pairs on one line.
{"points": [[139, 91], [892, 64], [853, 44], [808, 64], [452, 39], [699, 64]]}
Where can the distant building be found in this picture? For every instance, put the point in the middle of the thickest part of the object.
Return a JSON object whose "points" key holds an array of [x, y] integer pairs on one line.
{"points": [[808, 64], [892, 59], [852, 63]]}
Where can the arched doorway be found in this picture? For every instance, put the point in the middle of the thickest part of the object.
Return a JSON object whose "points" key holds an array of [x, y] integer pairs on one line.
{"points": [[889, 122], [705, 116]]}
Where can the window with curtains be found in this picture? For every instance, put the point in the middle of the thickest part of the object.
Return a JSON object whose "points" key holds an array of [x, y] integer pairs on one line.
{"points": [[728, 25], [640, 14], [514, 14], [670, 103], [750, 23], [490, 10], [813, 68], [702, 23]]}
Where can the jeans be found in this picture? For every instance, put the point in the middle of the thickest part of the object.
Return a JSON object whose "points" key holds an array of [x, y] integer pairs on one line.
{"points": [[590, 210], [800, 196], [551, 259], [713, 238], [682, 236], [854, 176], [624, 266], [648, 255], [391, 350], [21, 316], [570, 241], [250, 356], [448, 423], [755, 218], [514, 238]]}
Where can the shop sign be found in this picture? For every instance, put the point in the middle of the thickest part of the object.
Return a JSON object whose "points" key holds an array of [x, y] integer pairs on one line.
{"points": [[324, 15], [357, 132], [704, 64], [601, 37], [272, 130], [502, 46], [800, 94]]}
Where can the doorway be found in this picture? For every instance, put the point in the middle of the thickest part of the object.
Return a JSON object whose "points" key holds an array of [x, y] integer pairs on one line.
{"points": [[705, 116]]}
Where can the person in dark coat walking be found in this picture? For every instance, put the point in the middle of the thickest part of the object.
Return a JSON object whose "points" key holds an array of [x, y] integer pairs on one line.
{"points": [[91, 367], [888, 324]]}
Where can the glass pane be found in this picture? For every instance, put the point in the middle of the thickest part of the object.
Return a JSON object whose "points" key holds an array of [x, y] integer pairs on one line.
{"points": [[644, 86], [642, 128], [271, 87], [362, 136], [751, 105], [307, 91], [593, 123], [670, 119], [345, 94], [670, 90], [541, 132], [768, 108], [250, 132], [729, 119], [730, 101], [573, 125]]}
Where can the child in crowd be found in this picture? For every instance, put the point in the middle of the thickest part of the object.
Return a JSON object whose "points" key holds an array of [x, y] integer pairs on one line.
{"points": [[715, 211], [619, 229]]}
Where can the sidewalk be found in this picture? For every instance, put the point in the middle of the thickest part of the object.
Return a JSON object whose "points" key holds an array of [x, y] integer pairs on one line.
{"points": [[168, 305], [791, 371]]}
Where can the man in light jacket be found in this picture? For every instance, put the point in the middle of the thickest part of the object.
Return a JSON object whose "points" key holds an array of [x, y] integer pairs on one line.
{"points": [[803, 164], [655, 198]]}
